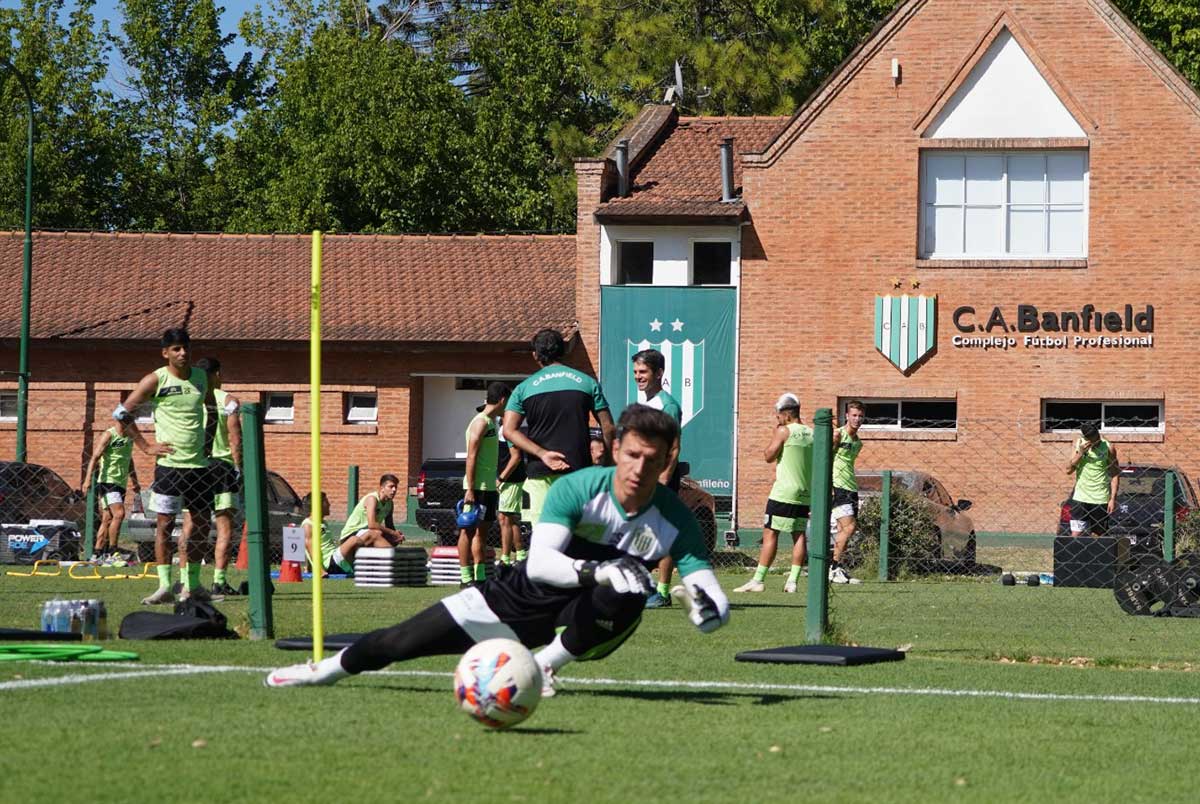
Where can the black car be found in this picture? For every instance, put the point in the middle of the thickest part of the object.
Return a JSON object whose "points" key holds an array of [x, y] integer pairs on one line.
{"points": [[1141, 499], [36, 496]]}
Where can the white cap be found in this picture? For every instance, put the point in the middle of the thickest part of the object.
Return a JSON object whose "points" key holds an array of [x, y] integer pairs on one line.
{"points": [[788, 400]]}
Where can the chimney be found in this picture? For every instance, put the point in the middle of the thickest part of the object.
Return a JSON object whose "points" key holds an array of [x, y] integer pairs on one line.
{"points": [[727, 170], [622, 168]]}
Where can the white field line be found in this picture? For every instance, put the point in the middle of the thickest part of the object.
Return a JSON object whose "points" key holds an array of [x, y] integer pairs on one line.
{"points": [[159, 670]]}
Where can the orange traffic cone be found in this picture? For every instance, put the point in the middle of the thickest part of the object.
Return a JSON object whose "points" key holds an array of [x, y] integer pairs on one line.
{"points": [[289, 572], [243, 559]]}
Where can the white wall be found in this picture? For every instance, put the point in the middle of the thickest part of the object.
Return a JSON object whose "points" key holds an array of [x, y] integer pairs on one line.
{"points": [[447, 413], [672, 250]]}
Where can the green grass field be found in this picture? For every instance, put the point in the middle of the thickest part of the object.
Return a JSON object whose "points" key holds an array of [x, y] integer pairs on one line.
{"points": [[988, 706]]}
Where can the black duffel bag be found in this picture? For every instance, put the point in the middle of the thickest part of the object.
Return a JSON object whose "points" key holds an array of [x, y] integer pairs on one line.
{"points": [[193, 619]]}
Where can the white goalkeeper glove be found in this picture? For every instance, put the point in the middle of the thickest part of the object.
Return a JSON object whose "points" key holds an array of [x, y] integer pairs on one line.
{"points": [[704, 602], [625, 575]]}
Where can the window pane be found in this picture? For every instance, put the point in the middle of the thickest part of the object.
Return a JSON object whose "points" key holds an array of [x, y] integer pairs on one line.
{"points": [[882, 413], [636, 266], [983, 230], [1070, 415], [470, 384], [985, 180], [362, 408], [710, 263], [1027, 179], [944, 179], [929, 414], [1066, 231], [1066, 178], [8, 405], [947, 235], [280, 408], [1026, 230], [1127, 415]]}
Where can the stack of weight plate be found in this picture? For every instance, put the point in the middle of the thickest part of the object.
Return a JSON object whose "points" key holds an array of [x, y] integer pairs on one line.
{"points": [[390, 566], [443, 566]]}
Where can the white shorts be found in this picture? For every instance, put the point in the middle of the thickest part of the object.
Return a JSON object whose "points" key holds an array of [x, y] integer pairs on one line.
{"points": [[472, 614], [114, 498]]}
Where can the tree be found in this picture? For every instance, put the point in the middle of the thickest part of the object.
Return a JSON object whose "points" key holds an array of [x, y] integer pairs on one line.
{"points": [[1173, 26]]}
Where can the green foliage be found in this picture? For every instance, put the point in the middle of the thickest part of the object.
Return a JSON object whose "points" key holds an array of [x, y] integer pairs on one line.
{"points": [[914, 543], [1187, 534], [1173, 26]]}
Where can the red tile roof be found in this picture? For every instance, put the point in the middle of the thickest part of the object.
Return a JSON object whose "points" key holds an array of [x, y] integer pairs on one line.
{"points": [[681, 175], [405, 288]]}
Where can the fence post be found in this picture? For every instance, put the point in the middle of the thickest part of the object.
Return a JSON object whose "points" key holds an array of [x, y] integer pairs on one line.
{"points": [[89, 522], [254, 467], [817, 619], [1169, 517], [885, 522], [351, 489]]}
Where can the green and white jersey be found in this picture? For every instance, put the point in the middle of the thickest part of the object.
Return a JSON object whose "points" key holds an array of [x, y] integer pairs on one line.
{"points": [[792, 472], [583, 502], [328, 545], [487, 454], [220, 439], [667, 404], [358, 517], [1092, 481], [179, 418], [115, 460], [843, 460], [557, 402]]}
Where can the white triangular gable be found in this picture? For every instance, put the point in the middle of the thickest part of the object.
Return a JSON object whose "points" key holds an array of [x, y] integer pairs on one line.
{"points": [[1005, 96]]}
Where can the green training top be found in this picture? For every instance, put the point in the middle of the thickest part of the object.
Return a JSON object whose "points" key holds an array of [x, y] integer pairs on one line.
{"points": [[486, 455], [1092, 481], [843, 460], [667, 404], [584, 503], [328, 545], [115, 460], [179, 418], [794, 466], [358, 517], [220, 444]]}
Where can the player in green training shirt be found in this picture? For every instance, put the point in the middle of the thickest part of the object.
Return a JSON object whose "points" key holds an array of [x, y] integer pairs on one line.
{"points": [[846, 447], [224, 430], [1097, 474], [788, 504], [479, 482], [112, 468], [370, 524], [178, 391], [649, 365], [582, 591]]}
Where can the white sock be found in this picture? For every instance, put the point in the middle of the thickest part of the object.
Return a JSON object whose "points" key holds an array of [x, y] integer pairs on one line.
{"points": [[338, 558], [554, 654], [330, 668]]}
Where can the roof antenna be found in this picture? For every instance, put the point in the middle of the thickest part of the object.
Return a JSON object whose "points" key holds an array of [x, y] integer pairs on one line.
{"points": [[675, 93]]}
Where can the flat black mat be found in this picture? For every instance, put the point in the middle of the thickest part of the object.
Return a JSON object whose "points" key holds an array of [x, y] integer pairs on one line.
{"points": [[332, 642], [842, 655], [22, 635]]}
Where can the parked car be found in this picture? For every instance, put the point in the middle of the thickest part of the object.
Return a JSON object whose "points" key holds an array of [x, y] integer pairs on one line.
{"points": [[284, 507], [439, 487], [956, 530], [37, 497], [1141, 500]]}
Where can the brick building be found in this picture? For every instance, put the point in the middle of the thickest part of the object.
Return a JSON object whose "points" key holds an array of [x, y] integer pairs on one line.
{"points": [[982, 224]]}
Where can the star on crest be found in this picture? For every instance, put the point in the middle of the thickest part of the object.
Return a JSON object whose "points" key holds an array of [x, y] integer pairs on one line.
{"points": [[896, 282], [656, 325], [916, 283], [676, 325]]}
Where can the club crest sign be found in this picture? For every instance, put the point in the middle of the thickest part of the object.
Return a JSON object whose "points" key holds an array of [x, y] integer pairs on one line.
{"points": [[906, 330]]}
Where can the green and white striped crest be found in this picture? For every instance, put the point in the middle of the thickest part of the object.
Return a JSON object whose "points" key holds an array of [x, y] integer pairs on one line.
{"points": [[683, 377], [906, 329]]}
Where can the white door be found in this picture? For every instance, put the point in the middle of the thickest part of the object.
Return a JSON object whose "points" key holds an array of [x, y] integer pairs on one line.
{"points": [[450, 404]]}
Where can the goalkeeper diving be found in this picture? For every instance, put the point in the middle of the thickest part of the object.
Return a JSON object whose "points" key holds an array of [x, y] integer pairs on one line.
{"points": [[582, 591]]}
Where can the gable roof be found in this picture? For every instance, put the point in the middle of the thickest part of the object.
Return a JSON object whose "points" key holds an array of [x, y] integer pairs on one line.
{"points": [[680, 176], [405, 288], [890, 25]]}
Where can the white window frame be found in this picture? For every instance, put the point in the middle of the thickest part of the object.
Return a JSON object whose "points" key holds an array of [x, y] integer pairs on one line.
{"points": [[1104, 405], [617, 262], [899, 427], [692, 260], [361, 414], [274, 410], [1003, 206], [13, 396]]}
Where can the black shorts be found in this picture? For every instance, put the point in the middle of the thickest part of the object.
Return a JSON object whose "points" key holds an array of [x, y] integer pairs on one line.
{"points": [[787, 510], [490, 500], [225, 478], [844, 497], [178, 488], [1094, 516]]}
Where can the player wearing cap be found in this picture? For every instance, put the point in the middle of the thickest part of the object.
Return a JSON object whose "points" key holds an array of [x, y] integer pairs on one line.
{"points": [[479, 483], [788, 503]]}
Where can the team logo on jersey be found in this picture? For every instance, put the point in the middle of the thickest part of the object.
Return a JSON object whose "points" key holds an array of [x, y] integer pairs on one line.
{"points": [[906, 330], [643, 541], [683, 377]]}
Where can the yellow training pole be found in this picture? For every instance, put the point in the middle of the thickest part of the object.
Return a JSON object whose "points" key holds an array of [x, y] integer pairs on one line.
{"points": [[314, 394]]}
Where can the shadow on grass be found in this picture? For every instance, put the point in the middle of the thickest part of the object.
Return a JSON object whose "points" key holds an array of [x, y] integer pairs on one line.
{"points": [[699, 696], [745, 606]]}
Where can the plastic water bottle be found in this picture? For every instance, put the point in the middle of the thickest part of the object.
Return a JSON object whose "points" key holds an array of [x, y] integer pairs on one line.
{"points": [[62, 617], [1046, 578], [48, 615], [101, 619]]}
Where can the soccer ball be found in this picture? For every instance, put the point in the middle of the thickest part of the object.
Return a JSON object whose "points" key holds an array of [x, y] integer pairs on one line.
{"points": [[498, 682]]}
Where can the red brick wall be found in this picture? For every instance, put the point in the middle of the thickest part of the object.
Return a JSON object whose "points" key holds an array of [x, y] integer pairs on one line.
{"points": [[77, 386]]}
